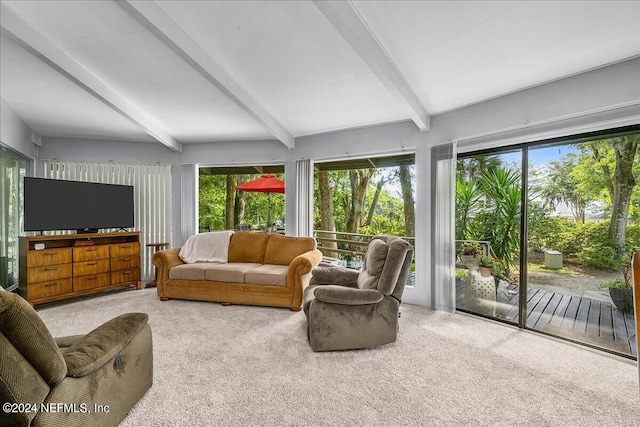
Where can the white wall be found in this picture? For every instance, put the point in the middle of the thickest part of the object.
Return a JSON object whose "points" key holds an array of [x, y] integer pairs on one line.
{"points": [[14, 133], [602, 98], [599, 99]]}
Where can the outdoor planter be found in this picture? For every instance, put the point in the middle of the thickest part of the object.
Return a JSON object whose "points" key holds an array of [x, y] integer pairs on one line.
{"points": [[485, 271], [472, 262], [622, 298]]}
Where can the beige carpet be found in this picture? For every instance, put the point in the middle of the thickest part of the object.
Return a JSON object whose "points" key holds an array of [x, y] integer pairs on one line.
{"points": [[252, 366]]}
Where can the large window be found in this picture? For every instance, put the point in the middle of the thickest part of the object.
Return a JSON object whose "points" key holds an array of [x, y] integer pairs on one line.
{"points": [[569, 274], [357, 198], [221, 206], [13, 169]]}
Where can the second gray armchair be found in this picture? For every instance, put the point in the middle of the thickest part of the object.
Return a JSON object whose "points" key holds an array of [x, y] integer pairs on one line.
{"points": [[349, 309]]}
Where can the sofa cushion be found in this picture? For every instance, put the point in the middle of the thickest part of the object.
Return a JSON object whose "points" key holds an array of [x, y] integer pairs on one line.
{"points": [[248, 246], [281, 250], [190, 271], [267, 274], [232, 272], [374, 261]]}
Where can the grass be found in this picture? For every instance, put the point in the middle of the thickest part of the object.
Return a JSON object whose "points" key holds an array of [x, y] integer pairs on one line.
{"points": [[541, 268]]}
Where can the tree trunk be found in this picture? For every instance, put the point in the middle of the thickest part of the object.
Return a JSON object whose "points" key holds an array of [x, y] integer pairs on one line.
{"points": [[359, 183], [409, 203], [238, 206], [327, 221], [230, 203], [623, 181], [374, 202]]}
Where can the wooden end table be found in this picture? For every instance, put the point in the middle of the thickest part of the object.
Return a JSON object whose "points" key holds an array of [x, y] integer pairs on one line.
{"points": [[157, 247]]}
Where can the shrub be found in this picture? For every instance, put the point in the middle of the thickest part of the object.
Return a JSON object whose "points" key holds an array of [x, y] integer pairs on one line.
{"points": [[461, 273], [616, 284], [599, 256]]}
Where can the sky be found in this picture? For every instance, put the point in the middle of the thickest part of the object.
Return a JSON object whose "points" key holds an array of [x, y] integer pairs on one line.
{"points": [[540, 156]]}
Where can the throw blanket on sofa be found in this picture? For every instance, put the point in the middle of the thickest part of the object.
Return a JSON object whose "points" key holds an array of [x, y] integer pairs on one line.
{"points": [[206, 247]]}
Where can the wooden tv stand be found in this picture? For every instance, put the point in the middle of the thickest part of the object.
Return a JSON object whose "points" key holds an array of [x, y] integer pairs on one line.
{"points": [[71, 265]]}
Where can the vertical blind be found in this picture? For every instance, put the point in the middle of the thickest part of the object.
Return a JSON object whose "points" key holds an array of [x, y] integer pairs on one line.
{"points": [[443, 190], [152, 194], [13, 169], [189, 195], [304, 197]]}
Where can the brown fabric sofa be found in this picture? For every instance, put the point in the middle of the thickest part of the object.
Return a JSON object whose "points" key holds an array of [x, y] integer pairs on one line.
{"points": [[265, 269], [88, 380]]}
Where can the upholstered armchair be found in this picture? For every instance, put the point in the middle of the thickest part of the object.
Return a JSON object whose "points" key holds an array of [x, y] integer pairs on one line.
{"points": [[83, 380], [349, 309]]}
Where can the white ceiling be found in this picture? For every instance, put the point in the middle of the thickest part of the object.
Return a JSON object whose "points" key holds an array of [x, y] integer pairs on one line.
{"points": [[204, 71]]}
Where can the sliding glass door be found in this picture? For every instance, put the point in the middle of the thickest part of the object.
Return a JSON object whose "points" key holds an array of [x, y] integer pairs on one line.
{"points": [[488, 213], [557, 222], [582, 229], [13, 169]]}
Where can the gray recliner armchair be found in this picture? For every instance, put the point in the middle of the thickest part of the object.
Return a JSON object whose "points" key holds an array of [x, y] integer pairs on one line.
{"points": [[349, 309], [82, 380]]}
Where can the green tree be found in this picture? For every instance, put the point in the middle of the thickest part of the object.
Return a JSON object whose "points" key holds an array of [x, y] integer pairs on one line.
{"points": [[611, 167], [561, 185]]}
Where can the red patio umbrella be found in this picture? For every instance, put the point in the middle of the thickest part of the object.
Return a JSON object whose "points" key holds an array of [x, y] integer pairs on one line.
{"points": [[264, 184]]}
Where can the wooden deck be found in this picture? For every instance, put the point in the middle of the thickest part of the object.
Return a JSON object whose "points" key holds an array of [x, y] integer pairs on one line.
{"points": [[583, 319]]}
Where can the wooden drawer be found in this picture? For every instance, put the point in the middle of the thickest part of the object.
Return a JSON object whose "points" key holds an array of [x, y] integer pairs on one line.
{"points": [[124, 262], [90, 267], [124, 249], [48, 289], [90, 282], [89, 253], [123, 276], [48, 257], [48, 273]]}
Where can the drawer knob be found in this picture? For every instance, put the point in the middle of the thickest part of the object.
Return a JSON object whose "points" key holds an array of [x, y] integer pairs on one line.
{"points": [[50, 268], [126, 259], [50, 284], [92, 263], [51, 253], [92, 250], [92, 278], [126, 272]]}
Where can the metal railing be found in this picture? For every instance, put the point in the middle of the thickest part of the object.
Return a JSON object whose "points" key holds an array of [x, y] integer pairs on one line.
{"points": [[354, 244]]}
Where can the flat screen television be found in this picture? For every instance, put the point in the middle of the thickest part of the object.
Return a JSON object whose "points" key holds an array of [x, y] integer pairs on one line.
{"points": [[52, 204]]}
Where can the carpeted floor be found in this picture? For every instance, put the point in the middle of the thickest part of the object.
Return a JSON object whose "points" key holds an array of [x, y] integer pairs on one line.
{"points": [[252, 366]]}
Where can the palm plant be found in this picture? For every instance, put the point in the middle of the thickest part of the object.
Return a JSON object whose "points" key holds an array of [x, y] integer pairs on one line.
{"points": [[468, 195], [501, 221]]}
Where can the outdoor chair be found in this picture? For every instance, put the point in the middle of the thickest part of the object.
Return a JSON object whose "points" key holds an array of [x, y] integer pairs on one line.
{"points": [[350, 309], [82, 380]]}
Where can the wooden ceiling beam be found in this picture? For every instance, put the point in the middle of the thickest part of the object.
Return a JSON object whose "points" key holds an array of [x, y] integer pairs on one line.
{"points": [[344, 16], [52, 55], [166, 29]]}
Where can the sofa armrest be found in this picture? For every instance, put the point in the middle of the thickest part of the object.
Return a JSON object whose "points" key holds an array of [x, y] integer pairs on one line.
{"points": [[102, 344], [299, 273], [66, 342], [164, 261], [335, 276], [335, 294]]}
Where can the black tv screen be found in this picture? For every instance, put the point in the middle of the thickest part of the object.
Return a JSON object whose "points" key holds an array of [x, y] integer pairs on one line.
{"points": [[52, 204]]}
